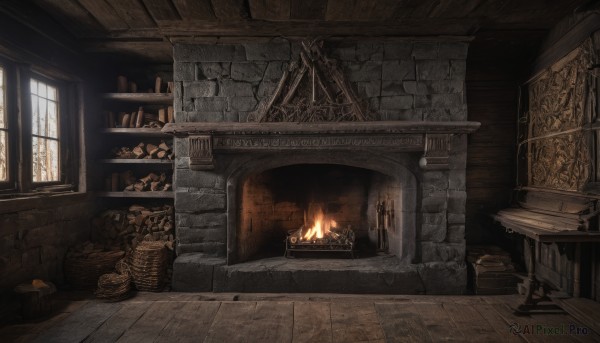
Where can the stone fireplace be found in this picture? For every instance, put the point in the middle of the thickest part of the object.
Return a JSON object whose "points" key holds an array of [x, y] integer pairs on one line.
{"points": [[243, 185]]}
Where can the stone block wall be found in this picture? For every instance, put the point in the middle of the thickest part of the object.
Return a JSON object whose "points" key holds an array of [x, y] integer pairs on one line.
{"points": [[34, 241], [399, 80]]}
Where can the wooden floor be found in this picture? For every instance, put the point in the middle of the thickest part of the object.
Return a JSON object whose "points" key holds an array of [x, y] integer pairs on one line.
{"points": [[208, 317]]}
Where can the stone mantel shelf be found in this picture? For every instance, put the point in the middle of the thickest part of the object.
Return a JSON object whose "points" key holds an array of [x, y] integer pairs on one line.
{"points": [[371, 127], [432, 138]]}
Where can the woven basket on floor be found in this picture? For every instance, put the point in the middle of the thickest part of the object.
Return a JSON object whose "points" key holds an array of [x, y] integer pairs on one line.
{"points": [[113, 286], [148, 265], [83, 272]]}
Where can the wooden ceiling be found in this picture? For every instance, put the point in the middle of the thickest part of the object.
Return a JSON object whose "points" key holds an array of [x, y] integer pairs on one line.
{"points": [[150, 26]]}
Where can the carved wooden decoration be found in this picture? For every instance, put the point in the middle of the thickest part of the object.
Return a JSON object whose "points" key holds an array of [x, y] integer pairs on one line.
{"points": [[201, 154], [559, 147], [436, 151], [312, 89]]}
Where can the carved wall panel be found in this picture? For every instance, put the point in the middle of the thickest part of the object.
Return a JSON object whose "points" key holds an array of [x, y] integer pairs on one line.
{"points": [[312, 89], [559, 145]]}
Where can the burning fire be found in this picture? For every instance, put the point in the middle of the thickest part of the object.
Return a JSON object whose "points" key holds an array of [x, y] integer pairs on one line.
{"points": [[322, 225]]}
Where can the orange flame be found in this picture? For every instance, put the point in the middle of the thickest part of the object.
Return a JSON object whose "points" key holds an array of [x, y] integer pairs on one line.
{"points": [[321, 226]]}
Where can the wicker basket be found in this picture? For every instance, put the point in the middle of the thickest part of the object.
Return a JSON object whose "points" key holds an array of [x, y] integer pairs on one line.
{"points": [[83, 271], [115, 287], [148, 265]]}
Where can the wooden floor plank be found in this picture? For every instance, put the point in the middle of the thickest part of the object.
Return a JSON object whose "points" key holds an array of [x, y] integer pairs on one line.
{"points": [[497, 322], [355, 322], [584, 310], [536, 323], [112, 329], [438, 324], [27, 332], [191, 323], [150, 324], [559, 326], [471, 323], [306, 318], [312, 322], [518, 323], [80, 324], [272, 321], [232, 322], [402, 323]]}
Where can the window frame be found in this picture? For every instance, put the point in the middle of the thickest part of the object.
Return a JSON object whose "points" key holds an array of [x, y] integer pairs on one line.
{"points": [[61, 109], [19, 115], [10, 95]]}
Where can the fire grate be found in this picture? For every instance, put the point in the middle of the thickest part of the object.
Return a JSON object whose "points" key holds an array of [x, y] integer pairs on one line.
{"points": [[335, 240]]}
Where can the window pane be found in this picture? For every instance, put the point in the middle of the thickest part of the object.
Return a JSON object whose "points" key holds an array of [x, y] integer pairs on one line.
{"points": [[45, 147], [45, 160], [41, 89], [52, 120], [43, 123], [2, 112], [33, 85], [51, 93], [35, 115], [3, 156]]}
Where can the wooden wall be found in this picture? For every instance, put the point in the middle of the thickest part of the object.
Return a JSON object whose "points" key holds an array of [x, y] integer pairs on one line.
{"points": [[35, 232], [495, 68]]}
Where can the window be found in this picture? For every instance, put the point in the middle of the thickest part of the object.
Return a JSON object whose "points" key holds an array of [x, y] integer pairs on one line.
{"points": [[39, 124], [3, 131], [44, 132]]}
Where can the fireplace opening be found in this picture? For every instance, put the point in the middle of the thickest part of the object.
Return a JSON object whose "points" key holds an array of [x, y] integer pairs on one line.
{"points": [[317, 207]]}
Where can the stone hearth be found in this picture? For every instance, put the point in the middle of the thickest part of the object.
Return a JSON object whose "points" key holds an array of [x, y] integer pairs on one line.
{"points": [[415, 155]]}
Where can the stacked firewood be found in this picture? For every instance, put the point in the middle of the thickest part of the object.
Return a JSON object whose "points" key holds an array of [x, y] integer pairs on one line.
{"points": [[140, 118], [138, 223], [151, 182], [145, 151], [128, 182]]}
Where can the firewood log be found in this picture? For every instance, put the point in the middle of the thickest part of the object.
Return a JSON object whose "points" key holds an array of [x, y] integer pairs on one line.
{"points": [[162, 115], [155, 186], [157, 84], [151, 149], [138, 151], [140, 117], [125, 120], [121, 84], [170, 117], [164, 146], [132, 119]]}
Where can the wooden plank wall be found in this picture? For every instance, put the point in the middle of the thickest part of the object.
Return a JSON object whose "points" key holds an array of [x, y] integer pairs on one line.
{"points": [[495, 68]]}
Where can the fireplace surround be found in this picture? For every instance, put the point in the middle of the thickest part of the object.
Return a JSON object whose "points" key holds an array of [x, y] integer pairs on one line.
{"points": [[229, 172]]}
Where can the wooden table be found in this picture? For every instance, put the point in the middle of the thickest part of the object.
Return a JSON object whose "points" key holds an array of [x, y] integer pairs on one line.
{"points": [[535, 236]]}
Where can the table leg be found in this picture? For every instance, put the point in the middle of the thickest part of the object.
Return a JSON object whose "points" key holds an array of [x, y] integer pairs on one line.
{"points": [[531, 305], [577, 271]]}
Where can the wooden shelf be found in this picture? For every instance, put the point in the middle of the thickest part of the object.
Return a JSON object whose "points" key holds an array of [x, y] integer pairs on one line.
{"points": [[135, 161], [148, 98], [167, 194], [154, 132]]}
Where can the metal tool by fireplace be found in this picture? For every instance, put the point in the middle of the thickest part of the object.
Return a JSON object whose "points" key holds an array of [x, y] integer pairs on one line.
{"points": [[334, 240], [384, 220]]}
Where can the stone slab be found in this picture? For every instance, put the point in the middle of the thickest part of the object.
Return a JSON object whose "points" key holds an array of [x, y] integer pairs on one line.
{"points": [[194, 272], [373, 275], [444, 278]]}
